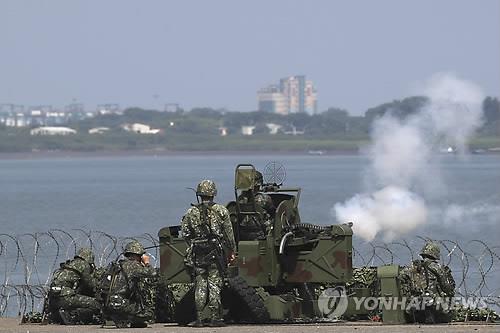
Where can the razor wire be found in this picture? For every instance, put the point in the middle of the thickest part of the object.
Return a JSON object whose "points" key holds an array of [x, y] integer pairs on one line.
{"points": [[475, 265], [27, 262]]}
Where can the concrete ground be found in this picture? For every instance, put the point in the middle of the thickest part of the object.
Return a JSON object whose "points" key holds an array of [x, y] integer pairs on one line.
{"points": [[12, 325]]}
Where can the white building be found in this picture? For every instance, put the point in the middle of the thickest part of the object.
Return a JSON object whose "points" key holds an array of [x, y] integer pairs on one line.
{"points": [[294, 131], [273, 128], [48, 130], [247, 130], [223, 131], [293, 95], [270, 99], [140, 128], [98, 130]]}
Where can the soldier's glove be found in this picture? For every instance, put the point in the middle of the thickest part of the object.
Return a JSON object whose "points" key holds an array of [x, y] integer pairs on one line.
{"points": [[145, 259]]}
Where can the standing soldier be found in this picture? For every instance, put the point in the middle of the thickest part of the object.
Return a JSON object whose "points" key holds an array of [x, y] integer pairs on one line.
{"points": [[209, 235], [72, 291], [129, 301], [432, 283]]}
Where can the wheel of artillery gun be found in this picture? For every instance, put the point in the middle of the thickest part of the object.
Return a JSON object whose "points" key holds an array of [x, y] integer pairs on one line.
{"points": [[243, 302]]}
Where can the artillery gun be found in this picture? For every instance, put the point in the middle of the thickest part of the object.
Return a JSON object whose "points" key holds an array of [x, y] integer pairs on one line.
{"points": [[282, 264]]}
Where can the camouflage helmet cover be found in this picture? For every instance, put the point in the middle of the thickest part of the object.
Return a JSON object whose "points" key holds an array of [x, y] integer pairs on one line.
{"points": [[264, 200], [134, 247], [206, 188], [431, 250], [86, 254]]}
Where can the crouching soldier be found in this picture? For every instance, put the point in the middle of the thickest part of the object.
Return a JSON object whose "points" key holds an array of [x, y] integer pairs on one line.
{"points": [[71, 297], [129, 300], [432, 283]]}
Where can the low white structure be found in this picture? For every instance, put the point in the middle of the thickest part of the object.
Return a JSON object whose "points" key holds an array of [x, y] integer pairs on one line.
{"points": [[247, 130], [98, 130], [273, 128], [223, 131], [140, 128], [48, 130], [294, 131]]}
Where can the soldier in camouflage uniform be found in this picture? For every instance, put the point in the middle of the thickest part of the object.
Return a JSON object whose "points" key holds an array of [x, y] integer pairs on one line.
{"points": [[431, 282], [264, 206], [71, 297], [130, 301], [209, 235]]}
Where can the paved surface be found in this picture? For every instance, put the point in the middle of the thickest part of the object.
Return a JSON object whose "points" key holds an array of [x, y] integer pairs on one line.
{"points": [[12, 325]]}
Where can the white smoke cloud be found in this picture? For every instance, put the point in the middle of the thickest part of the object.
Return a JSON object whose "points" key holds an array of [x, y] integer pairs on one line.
{"points": [[454, 214], [393, 210], [401, 157], [455, 108], [399, 152]]}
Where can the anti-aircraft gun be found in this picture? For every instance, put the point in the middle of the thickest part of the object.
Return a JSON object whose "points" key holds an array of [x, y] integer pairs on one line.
{"points": [[282, 264]]}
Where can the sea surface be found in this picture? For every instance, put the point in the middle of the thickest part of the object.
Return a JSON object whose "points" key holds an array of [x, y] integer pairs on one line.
{"points": [[48, 204], [125, 195]]}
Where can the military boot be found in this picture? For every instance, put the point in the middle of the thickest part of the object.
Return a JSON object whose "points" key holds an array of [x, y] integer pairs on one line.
{"points": [[196, 323], [216, 322], [138, 324], [65, 317]]}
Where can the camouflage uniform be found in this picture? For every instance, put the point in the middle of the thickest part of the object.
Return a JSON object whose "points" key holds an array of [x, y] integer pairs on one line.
{"points": [[209, 234], [131, 297], [258, 227], [266, 207], [427, 278], [72, 291]]}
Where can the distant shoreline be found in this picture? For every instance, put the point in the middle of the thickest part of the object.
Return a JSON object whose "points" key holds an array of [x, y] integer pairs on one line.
{"points": [[160, 153], [153, 153]]}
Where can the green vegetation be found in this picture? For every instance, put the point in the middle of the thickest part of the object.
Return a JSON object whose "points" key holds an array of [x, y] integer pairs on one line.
{"points": [[198, 130]]}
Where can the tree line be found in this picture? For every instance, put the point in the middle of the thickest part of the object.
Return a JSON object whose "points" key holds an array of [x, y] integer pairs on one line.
{"points": [[332, 123], [199, 129]]}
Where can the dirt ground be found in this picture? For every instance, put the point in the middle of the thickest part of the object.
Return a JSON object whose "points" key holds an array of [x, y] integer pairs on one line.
{"points": [[12, 325]]}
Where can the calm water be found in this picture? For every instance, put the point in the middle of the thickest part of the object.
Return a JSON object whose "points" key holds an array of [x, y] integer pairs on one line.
{"points": [[132, 195], [129, 196]]}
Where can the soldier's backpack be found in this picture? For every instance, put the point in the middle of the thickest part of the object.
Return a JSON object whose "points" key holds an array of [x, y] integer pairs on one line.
{"points": [[65, 279]]}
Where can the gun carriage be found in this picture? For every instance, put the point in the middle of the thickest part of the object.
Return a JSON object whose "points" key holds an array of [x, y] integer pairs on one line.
{"points": [[282, 263]]}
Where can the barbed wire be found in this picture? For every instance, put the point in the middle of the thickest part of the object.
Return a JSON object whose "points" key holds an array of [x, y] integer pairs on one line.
{"points": [[474, 264], [27, 262]]}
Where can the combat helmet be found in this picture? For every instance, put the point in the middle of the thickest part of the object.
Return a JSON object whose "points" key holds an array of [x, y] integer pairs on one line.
{"points": [[265, 201], [134, 247], [86, 254], [206, 188], [431, 250]]}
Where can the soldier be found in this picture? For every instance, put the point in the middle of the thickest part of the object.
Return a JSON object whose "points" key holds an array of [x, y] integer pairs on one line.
{"points": [[433, 283], [209, 235], [71, 297], [129, 302], [264, 206]]}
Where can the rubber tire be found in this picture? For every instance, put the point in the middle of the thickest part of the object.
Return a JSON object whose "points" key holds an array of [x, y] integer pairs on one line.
{"points": [[243, 303]]}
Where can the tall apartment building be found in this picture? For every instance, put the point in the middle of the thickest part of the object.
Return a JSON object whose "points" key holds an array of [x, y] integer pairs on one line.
{"points": [[294, 94], [272, 100]]}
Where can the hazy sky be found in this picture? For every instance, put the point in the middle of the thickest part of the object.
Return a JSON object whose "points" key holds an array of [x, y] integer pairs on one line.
{"points": [[219, 53]]}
